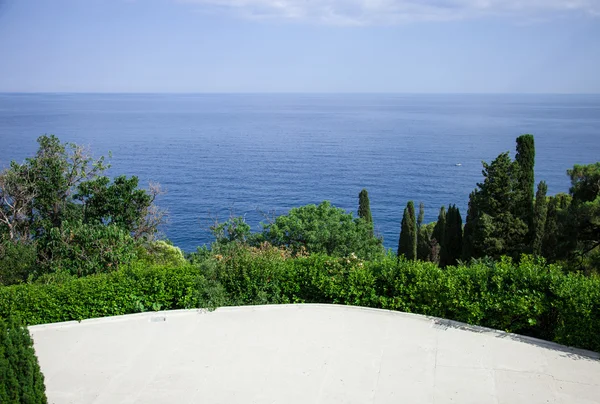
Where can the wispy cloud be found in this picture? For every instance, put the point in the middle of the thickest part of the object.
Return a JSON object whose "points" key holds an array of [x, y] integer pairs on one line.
{"points": [[383, 12]]}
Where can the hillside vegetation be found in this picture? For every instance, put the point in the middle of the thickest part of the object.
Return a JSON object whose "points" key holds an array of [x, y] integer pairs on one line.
{"points": [[76, 244]]}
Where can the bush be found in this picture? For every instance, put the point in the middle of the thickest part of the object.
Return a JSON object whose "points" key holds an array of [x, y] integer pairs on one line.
{"points": [[324, 229], [21, 380], [84, 249], [530, 298], [132, 290], [161, 252]]}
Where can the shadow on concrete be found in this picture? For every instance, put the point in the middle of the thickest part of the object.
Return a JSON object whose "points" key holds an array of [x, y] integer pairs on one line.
{"points": [[565, 351]]}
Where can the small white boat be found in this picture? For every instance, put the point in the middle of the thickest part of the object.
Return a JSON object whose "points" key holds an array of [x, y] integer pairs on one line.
{"points": [[458, 164]]}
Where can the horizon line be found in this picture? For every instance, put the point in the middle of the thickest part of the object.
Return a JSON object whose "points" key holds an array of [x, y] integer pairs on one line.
{"points": [[282, 93]]}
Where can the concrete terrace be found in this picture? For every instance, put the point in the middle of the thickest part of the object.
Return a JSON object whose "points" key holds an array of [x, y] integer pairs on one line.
{"points": [[305, 354]]}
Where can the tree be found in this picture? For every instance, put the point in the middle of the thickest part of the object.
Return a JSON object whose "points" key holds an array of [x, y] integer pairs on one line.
{"points": [[452, 249], [525, 159], [407, 245], [21, 380], [121, 203], [16, 197], [58, 205], [323, 229], [494, 227], [556, 242], [439, 234], [84, 249], [421, 216], [55, 172], [469, 245], [539, 218], [584, 215], [428, 248], [364, 208]]}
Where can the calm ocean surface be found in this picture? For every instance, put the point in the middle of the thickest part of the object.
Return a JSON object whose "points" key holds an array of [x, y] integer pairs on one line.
{"points": [[251, 153]]}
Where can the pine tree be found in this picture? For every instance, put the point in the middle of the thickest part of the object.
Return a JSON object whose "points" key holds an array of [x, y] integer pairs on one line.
{"points": [[364, 206], [439, 234], [407, 245], [525, 159], [496, 228], [539, 218], [21, 380]]}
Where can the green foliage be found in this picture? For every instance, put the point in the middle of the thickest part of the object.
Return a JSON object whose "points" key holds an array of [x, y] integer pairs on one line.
{"points": [[58, 206], [585, 182], [364, 206], [131, 290], [469, 249], [234, 230], [323, 229], [84, 249], [439, 234], [530, 298], [121, 203], [160, 252], [494, 224], [525, 160], [407, 244], [539, 218], [452, 249], [17, 261], [21, 381], [428, 248]]}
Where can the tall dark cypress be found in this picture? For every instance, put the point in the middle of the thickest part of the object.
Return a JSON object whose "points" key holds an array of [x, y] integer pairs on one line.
{"points": [[407, 245], [439, 234], [468, 241], [539, 217], [364, 206], [421, 216], [525, 159], [453, 237], [439, 230]]}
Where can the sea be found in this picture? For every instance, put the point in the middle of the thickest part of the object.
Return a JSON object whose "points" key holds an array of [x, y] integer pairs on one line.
{"points": [[259, 155]]}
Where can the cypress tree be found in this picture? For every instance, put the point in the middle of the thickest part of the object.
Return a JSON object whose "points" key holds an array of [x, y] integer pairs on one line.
{"points": [[421, 216], [439, 234], [407, 245], [364, 206], [525, 159], [539, 218], [21, 380], [453, 237], [468, 242]]}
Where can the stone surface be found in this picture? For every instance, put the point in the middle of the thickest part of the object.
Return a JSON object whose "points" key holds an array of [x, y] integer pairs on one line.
{"points": [[305, 354]]}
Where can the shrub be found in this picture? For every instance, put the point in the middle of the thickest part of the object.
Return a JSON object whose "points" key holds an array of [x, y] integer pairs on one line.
{"points": [[530, 298], [21, 380], [131, 290]]}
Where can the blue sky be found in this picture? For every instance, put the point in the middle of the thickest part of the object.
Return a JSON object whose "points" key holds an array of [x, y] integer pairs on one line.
{"points": [[406, 46]]}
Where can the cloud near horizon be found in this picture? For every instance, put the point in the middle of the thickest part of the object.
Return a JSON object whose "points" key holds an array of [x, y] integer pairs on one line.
{"points": [[389, 12]]}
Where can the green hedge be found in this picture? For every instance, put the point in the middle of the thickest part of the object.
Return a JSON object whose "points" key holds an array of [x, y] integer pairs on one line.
{"points": [[530, 298], [127, 291]]}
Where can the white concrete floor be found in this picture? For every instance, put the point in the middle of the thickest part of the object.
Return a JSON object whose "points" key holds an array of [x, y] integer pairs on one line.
{"points": [[304, 354]]}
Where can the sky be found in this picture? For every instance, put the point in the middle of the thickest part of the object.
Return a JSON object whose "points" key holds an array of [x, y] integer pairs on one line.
{"points": [[320, 46]]}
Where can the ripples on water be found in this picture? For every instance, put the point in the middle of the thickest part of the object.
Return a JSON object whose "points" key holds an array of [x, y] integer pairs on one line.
{"points": [[246, 153]]}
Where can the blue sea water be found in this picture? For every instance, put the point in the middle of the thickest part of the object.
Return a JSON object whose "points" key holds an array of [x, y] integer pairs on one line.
{"points": [[268, 153]]}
